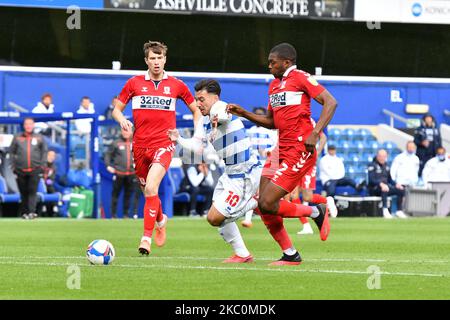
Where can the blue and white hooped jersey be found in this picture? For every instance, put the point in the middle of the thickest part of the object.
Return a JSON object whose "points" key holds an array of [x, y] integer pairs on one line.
{"points": [[262, 139], [231, 143]]}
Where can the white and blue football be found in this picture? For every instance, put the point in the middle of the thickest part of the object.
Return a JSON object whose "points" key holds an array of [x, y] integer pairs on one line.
{"points": [[100, 252]]}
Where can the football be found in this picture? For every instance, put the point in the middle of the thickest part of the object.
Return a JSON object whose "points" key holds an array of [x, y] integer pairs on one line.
{"points": [[100, 252], [219, 109]]}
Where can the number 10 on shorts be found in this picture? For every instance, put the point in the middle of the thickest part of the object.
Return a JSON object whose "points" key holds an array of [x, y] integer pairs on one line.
{"points": [[232, 199]]}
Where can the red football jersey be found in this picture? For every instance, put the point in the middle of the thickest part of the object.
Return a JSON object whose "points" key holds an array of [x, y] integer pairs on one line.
{"points": [[153, 106], [290, 102]]}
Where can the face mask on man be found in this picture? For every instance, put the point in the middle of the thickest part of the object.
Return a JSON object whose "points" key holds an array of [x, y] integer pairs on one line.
{"points": [[441, 157], [410, 153]]}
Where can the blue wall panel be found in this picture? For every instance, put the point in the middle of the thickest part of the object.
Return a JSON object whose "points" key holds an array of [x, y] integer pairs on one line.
{"points": [[359, 102]]}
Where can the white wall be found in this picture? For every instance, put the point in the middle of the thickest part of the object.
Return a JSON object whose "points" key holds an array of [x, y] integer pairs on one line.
{"points": [[445, 135], [387, 133]]}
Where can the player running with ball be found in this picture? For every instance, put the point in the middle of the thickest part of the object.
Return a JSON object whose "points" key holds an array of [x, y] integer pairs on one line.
{"points": [[153, 97], [223, 133], [289, 111]]}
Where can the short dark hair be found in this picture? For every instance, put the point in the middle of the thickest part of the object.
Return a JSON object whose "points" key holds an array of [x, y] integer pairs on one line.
{"points": [[285, 51], [45, 95], [259, 109], [331, 147], [210, 85], [439, 148], [85, 98], [155, 47]]}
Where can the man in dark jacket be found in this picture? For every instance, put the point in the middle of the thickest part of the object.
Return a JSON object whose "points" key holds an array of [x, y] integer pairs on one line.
{"points": [[51, 209], [427, 139], [28, 156], [381, 184], [119, 162]]}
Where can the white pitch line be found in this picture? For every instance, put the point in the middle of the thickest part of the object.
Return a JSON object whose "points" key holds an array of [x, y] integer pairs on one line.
{"points": [[59, 264], [256, 258]]}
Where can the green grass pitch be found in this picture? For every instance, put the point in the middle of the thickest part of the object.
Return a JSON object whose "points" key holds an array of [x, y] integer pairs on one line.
{"points": [[412, 256]]}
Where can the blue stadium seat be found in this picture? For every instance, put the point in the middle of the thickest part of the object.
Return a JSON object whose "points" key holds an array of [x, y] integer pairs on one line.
{"points": [[43, 196], [357, 147], [389, 146], [368, 157], [343, 147], [334, 134], [349, 171], [355, 159], [6, 197], [176, 176], [349, 134], [364, 135], [373, 146]]}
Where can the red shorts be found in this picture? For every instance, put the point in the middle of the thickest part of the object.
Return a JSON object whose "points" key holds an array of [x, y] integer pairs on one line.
{"points": [[145, 157], [286, 167], [308, 182]]}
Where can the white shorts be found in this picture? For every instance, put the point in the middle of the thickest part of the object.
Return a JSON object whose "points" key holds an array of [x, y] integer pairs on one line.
{"points": [[233, 193]]}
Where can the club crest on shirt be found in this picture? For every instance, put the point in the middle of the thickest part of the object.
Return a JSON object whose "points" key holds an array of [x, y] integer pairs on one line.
{"points": [[166, 90], [144, 89]]}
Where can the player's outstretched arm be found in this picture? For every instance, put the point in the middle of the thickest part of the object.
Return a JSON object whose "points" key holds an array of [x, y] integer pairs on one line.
{"points": [[329, 104], [194, 144], [117, 114], [265, 121]]}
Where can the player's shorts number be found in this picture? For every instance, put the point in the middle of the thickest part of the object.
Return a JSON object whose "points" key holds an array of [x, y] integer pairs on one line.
{"points": [[232, 199]]}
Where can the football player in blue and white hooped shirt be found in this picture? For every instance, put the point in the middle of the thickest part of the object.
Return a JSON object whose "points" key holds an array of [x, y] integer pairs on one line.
{"points": [[233, 195]]}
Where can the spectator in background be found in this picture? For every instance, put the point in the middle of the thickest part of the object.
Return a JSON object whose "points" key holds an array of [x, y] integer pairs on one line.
{"points": [[381, 184], [109, 110], [332, 173], [198, 180], [112, 131], [28, 156], [119, 162], [49, 178], [405, 167], [427, 139], [438, 168], [86, 107], [263, 140], [44, 106]]}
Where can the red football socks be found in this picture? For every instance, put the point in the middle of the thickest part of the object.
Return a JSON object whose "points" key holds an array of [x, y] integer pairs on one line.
{"points": [[276, 228], [288, 209], [151, 208]]}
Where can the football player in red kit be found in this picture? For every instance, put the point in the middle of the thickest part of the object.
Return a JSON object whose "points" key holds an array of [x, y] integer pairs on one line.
{"points": [[289, 111], [153, 97]]}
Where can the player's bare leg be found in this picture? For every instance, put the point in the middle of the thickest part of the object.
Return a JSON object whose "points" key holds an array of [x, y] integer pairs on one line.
{"points": [[307, 197], [152, 210], [230, 233]]}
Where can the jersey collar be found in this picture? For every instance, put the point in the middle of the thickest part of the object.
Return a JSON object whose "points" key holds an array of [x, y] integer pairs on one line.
{"points": [[286, 73], [147, 76]]}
